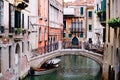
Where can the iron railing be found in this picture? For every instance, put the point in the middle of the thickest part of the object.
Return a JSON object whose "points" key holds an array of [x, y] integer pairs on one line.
{"points": [[83, 45], [70, 45]]}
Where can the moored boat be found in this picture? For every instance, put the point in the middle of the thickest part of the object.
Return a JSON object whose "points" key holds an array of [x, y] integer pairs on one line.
{"points": [[48, 67]]}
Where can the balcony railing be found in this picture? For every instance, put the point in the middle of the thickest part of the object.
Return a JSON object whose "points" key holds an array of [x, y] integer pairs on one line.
{"points": [[18, 34], [86, 46], [77, 30], [11, 30]]}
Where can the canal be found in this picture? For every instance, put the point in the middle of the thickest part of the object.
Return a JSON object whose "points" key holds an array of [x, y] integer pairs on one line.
{"points": [[73, 67]]}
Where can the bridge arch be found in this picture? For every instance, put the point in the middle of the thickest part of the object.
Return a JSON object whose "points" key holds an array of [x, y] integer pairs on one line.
{"points": [[40, 60]]}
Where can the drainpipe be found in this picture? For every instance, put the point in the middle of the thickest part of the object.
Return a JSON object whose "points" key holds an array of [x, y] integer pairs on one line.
{"points": [[86, 23], [48, 23]]}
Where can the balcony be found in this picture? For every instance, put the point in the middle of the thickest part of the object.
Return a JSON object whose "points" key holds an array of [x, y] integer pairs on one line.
{"points": [[18, 36], [77, 30], [102, 17], [22, 4]]}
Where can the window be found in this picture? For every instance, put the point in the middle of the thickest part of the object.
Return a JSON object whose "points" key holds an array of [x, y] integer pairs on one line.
{"points": [[11, 18], [10, 57], [45, 34], [64, 35], [64, 24], [40, 34], [90, 14], [28, 45], [81, 35], [0, 58], [23, 21], [70, 35], [23, 47], [17, 19], [90, 40], [81, 10], [97, 7], [1, 13], [28, 22], [90, 27]]}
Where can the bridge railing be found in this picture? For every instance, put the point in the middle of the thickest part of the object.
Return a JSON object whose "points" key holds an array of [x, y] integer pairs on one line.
{"points": [[69, 45], [94, 47], [83, 45]]}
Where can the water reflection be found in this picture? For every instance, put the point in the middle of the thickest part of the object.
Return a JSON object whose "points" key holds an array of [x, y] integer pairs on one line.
{"points": [[73, 67]]}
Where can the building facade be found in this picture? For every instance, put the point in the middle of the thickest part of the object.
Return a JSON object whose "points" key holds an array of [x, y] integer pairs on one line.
{"points": [[99, 25], [55, 23], [14, 38], [50, 25], [78, 21], [111, 66]]}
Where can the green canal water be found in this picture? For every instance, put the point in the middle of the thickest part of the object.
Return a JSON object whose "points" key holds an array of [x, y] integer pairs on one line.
{"points": [[73, 67]]}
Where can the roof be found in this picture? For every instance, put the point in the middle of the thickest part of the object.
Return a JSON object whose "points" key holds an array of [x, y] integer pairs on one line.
{"points": [[80, 3]]}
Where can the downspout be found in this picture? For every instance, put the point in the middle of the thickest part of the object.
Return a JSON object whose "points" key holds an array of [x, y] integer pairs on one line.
{"points": [[86, 23], [48, 22]]}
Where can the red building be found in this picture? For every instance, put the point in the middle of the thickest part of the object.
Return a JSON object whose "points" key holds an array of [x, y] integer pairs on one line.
{"points": [[51, 24]]}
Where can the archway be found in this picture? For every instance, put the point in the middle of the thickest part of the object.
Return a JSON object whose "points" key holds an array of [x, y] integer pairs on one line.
{"points": [[17, 53], [17, 59], [75, 41]]}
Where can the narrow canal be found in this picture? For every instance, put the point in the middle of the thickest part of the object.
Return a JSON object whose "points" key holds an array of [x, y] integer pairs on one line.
{"points": [[73, 67]]}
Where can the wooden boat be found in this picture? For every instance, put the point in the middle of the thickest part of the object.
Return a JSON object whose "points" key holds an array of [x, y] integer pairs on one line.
{"points": [[48, 67]]}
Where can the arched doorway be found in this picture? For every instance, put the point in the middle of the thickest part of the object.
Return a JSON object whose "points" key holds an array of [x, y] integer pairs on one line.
{"points": [[75, 41], [17, 59], [17, 53]]}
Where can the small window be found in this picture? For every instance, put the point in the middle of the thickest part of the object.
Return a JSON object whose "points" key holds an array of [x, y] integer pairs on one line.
{"points": [[90, 27], [81, 35], [64, 35], [70, 35], [64, 24], [17, 19], [23, 21], [81, 10], [23, 47], [90, 40], [90, 14]]}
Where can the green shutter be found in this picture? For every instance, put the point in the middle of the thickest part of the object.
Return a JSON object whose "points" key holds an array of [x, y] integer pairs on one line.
{"points": [[81, 10], [23, 21], [90, 27], [64, 35], [81, 35], [90, 14], [70, 35], [17, 19]]}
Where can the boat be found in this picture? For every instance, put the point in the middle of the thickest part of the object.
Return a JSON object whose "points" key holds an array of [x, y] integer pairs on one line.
{"points": [[48, 67]]}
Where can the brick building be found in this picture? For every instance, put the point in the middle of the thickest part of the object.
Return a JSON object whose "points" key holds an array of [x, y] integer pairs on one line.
{"points": [[78, 21]]}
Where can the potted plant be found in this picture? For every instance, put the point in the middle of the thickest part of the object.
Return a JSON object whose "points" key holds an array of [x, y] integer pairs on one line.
{"points": [[114, 22], [18, 30], [98, 13]]}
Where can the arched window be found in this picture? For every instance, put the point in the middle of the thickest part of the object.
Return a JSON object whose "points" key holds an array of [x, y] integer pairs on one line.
{"points": [[40, 34]]}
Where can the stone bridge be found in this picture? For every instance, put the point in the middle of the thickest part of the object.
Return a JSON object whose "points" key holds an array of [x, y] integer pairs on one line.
{"points": [[37, 61]]}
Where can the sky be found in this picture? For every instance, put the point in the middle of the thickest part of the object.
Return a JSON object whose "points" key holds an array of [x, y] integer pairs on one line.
{"points": [[68, 0]]}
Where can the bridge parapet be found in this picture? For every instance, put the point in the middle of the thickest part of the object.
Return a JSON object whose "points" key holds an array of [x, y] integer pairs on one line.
{"points": [[39, 60]]}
